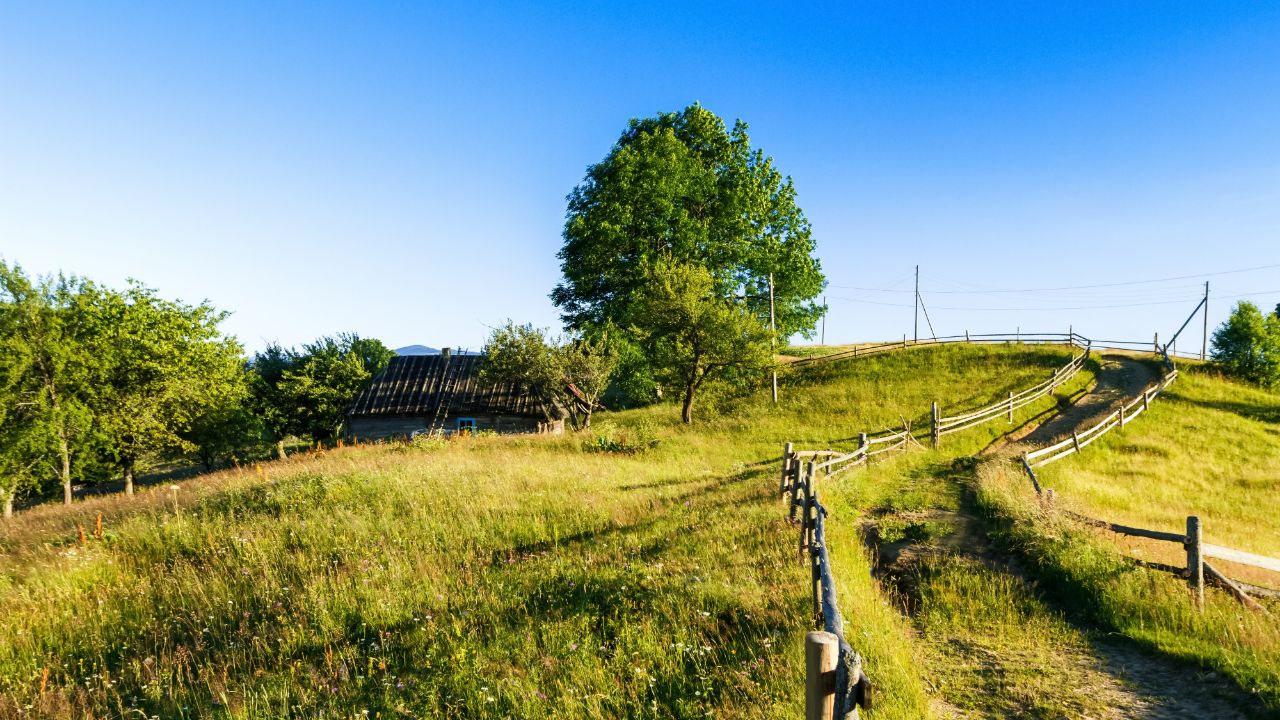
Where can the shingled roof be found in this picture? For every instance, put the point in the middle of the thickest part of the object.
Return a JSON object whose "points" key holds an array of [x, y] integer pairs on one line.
{"points": [[412, 384]]}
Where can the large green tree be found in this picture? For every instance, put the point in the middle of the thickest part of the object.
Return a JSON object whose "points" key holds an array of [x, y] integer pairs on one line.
{"points": [[166, 363], [326, 377], [693, 334], [682, 187], [51, 371], [1248, 345]]}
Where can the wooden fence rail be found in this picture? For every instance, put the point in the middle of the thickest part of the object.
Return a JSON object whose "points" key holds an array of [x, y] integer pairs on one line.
{"points": [[836, 685], [1080, 439], [1197, 571]]}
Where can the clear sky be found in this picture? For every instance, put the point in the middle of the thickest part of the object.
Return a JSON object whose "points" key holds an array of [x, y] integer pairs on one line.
{"points": [[400, 169]]}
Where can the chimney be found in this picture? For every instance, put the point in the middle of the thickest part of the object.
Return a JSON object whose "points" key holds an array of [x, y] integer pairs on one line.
{"points": [[444, 354]]}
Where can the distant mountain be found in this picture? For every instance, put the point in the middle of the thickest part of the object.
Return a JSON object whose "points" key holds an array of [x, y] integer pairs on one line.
{"points": [[424, 350], [417, 350]]}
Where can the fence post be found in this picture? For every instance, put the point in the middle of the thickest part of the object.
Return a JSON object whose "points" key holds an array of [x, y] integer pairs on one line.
{"points": [[1122, 420], [1195, 562], [933, 433], [1146, 400], [966, 335], [808, 480], [821, 651], [1155, 343], [786, 465], [1011, 406], [904, 339], [1075, 440]]}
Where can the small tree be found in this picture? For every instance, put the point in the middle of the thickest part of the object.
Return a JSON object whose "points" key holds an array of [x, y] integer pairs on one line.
{"points": [[695, 335], [272, 406], [326, 378], [165, 363], [572, 374], [1248, 345], [588, 366], [51, 367]]}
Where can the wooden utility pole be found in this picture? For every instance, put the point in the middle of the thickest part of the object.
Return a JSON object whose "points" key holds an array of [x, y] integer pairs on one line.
{"points": [[823, 340], [1204, 343], [773, 342], [917, 314]]}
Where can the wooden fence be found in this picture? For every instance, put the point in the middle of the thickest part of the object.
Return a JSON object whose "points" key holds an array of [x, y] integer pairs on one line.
{"points": [[1067, 338], [1118, 419], [1197, 570], [835, 684]]}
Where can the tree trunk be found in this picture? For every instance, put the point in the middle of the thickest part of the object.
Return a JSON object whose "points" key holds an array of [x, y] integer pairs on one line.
{"points": [[280, 449], [686, 413], [128, 479], [64, 450]]}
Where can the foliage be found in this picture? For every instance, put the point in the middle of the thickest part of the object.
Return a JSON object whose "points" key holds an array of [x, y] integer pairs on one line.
{"points": [[694, 335], [634, 439], [325, 378], [682, 189], [226, 429], [1247, 345], [164, 363], [572, 373], [271, 405], [51, 372]]}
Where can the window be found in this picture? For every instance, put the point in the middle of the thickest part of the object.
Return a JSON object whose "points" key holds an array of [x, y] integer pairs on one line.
{"points": [[466, 425]]}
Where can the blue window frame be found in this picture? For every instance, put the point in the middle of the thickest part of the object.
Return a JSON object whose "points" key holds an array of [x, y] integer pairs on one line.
{"points": [[466, 424]]}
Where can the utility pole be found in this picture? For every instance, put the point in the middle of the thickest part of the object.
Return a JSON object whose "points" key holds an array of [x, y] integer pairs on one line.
{"points": [[823, 341], [773, 338], [1204, 343], [917, 315]]}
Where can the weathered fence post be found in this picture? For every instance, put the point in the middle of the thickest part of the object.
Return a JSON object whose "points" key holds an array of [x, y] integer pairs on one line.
{"points": [[966, 336], [786, 465], [904, 339], [821, 651], [1018, 334], [1195, 562], [1075, 440], [1010, 406], [1122, 420], [1146, 400], [1155, 343], [933, 433]]}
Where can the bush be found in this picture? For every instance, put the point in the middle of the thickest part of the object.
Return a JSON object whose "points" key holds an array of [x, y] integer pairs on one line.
{"points": [[1247, 345], [608, 437]]}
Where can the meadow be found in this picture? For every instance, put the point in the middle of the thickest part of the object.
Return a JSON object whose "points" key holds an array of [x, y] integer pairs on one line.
{"points": [[1209, 447], [491, 576]]}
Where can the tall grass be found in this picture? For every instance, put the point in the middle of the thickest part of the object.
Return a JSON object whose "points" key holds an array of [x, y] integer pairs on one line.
{"points": [[1209, 447], [502, 576]]}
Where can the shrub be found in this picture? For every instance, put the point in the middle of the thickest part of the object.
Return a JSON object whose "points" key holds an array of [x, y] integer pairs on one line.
{"points": [[1247, 345], [608, 437]]}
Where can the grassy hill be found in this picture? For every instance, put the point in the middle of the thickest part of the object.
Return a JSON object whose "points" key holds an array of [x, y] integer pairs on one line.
{"points": [[491, 576], [1208, 447]]}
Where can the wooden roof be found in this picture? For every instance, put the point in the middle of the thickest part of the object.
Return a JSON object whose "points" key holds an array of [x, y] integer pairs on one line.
{"points": [[412, 385]]}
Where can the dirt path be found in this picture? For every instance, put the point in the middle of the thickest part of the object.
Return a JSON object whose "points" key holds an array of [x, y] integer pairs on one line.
{"points": [[1120, 379], [1049, 666]]}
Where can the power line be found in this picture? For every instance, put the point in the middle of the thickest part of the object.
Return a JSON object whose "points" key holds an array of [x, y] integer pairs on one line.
{"points": [[1066, 287], [1047, 309]]}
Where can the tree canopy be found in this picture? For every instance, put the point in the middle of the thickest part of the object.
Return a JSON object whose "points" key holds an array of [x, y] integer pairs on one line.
{"points": [[678, 192], [1247, 345], [682, 187]]}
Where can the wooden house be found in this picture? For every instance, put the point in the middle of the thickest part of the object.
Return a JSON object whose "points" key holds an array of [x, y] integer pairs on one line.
{"points": [[443, 393]]}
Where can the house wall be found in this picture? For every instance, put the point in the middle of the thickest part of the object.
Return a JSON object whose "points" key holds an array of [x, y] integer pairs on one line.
{"points": [[382, 427]]}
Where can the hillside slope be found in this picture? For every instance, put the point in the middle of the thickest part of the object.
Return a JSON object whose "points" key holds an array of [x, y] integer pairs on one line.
{"points": [[525, 577]]}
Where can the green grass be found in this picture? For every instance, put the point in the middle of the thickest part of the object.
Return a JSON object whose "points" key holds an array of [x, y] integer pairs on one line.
{"points": [[522, 577], [1208, 447]]}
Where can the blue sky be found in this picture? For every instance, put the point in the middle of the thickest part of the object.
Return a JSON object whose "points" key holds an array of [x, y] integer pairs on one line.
{"points": [[399, 169]]}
